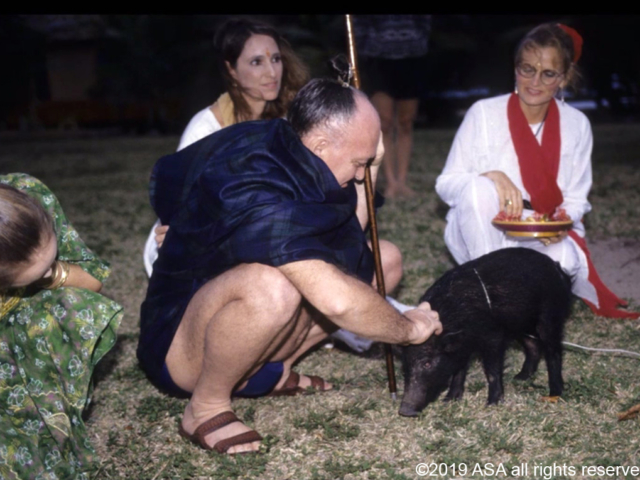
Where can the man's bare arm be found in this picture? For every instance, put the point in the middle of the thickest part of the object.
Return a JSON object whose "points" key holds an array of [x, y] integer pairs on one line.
{"points": [[357, 307]]}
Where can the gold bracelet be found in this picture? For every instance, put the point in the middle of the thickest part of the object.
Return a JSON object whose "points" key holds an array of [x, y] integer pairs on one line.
{"points": [[65, 272], [59, 275], [47, 282]]}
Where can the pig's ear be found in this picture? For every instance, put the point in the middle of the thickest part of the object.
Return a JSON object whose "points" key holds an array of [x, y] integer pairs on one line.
{"points": [[451, 343], [451, 347]]}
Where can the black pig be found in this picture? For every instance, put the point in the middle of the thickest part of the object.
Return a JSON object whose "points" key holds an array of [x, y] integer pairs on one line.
{"points": [[514, 293]]}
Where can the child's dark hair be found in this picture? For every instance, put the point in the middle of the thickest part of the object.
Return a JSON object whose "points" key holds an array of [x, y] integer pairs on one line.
{"points": [[24, 227]]}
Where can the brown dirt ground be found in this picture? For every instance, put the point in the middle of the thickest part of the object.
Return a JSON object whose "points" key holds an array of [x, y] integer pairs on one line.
{"points": [[618, 263]]}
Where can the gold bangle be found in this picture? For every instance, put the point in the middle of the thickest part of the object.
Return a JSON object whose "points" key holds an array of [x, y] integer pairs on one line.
{"points": [[47, 282], [65, 272], [59, 275]]}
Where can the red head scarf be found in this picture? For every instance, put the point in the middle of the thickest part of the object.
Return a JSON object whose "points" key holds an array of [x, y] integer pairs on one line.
{"points": [[577, 41]]}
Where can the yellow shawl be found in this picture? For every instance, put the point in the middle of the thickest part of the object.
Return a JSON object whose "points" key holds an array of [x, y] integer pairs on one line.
{"points": [[225, 105]]}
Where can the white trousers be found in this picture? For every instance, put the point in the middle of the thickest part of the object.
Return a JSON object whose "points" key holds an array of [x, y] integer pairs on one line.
{"points": [[469, 234]]}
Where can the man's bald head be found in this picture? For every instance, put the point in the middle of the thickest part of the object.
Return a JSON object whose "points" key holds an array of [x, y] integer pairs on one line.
{"points": [[322, 103], [338, 124]]}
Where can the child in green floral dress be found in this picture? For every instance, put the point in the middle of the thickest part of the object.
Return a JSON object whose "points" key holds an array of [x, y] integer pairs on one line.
{"points": [[52, 334]]}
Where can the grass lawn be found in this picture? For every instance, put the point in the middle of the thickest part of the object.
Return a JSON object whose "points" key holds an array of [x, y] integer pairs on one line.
{"points": [[353, 432]]}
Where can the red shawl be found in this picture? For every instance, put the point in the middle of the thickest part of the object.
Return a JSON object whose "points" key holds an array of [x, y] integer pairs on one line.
{"points": [[539, 169]]}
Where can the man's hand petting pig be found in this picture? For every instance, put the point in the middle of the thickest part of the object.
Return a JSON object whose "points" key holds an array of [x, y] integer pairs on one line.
{"points": [[425, 321]]}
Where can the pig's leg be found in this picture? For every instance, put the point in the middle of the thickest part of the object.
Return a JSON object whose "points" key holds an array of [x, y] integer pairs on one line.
{"points": [[493, 363], [550, 332], [532, 353], [456, 388], [553, 356]]}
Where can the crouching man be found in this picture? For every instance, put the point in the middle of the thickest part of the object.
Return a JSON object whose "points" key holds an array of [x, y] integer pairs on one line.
{"points": [[264, 257]]}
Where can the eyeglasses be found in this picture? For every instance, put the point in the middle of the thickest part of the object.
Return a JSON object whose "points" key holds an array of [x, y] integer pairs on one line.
{"points": [[547, 77]]}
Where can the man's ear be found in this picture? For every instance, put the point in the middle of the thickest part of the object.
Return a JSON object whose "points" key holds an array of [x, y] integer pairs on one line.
{"points": [[317, 143], [321, 146]]}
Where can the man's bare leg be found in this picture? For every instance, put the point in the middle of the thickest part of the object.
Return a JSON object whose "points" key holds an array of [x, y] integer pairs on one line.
{"points": [[391, 265], [237, 322], [385, 107], [406, 112], [233, 325], [320, 329]]}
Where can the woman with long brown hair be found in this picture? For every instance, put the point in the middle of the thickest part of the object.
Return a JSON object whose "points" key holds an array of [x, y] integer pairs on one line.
{"points": [[261, 74]]}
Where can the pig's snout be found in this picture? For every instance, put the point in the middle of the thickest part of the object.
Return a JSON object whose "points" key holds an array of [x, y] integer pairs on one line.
{"points": [[407, 410], [418, 394], [415, 397], [424, 377]]}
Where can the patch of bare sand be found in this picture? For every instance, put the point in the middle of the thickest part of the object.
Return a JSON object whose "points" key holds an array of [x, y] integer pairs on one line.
{"points": [[618, 263]]}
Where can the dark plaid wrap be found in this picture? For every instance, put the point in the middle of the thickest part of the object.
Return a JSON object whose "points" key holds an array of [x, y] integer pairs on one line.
{"points": [[248, 193]]}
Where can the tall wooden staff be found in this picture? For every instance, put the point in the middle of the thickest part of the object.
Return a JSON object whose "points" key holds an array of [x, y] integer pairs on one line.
{"points": [[368, 186]]}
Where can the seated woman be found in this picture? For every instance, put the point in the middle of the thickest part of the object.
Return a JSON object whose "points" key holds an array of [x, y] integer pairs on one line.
{"points": [[261, 73], [527, 146], [54, 328]]}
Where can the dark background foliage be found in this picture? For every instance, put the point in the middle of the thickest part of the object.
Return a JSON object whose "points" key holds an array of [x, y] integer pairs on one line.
{"points": [[160, 69]]}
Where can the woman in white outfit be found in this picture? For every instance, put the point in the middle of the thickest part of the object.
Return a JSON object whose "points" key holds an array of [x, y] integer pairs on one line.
{"points": [[262, 74], [526, 146]]}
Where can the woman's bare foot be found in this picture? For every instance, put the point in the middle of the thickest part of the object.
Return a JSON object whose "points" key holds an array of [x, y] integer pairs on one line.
{"points": [[405, 191], [391, 191]]}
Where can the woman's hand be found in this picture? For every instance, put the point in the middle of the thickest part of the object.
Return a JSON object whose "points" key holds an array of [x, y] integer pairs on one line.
{"points": [[551, 240], [161, 232], [509, 196]]}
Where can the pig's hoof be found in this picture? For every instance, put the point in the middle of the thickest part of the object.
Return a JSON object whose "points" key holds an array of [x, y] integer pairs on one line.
{"points": [[523, 376], [495, 400], [550, 399]]}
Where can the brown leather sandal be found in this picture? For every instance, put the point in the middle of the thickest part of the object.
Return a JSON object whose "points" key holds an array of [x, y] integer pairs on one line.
{"points": [[291, 387], [215, 423]]}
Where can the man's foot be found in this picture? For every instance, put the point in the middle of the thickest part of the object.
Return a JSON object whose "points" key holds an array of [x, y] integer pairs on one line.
{"points": [[222, 432], [300, 385]]}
